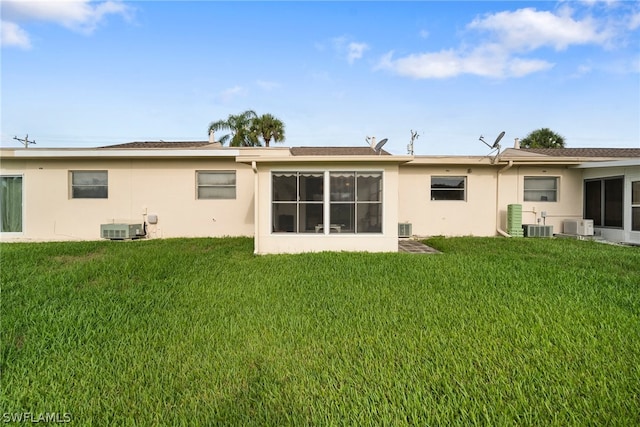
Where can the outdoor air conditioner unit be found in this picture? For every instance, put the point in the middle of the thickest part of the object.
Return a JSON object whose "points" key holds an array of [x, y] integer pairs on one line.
{"points": [[578, 227], [534, 230], [404, 229], [121, 231]]}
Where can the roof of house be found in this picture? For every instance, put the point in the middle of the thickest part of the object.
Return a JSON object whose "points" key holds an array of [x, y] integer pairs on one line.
{"points": [[336, 151], [584, 152], [162, 144]]}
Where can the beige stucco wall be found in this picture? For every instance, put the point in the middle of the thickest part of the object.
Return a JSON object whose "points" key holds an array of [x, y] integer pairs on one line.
{"points": [[480, 214], [137, 187], [568, 206], [268, 242]]}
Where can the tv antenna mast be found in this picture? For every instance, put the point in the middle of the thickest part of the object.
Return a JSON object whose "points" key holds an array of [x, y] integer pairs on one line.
{"points": [[496, 145], [25, 141], [414, 136]]}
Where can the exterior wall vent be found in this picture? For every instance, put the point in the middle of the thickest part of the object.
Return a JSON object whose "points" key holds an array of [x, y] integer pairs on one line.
{"points": [[533, 230], [121, 231], [405, 229], [578, 227]]}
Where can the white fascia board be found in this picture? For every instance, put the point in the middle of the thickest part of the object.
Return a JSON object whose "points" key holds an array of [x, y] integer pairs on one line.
{"points": [[610, 164], [325, 159], [127, 153]]}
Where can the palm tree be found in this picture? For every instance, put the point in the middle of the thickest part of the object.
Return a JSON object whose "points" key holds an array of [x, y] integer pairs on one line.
{"points": [[268, 127], [240, 127], [543, 138]]}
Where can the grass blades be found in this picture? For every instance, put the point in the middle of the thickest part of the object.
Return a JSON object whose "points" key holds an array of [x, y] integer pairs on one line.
{"points": [[202, 332]]}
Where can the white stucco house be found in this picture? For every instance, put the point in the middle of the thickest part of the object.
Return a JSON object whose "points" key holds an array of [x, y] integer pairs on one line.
{"points": [[302, 199]]}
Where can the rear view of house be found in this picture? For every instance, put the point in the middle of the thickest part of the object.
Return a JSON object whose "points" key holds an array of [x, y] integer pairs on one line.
{"points": [[305, 199]]}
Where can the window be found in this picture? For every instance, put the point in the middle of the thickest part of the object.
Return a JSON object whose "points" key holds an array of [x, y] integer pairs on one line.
{"points": [[603, 201], [356, 202], [448, 187], [298, 202], [89, 185], [635, 205], [540, 189], [11, 204], [300, 205], [216, 184]]}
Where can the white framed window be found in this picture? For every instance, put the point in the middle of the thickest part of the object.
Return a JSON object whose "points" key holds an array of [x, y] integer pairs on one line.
{"points": [[89, 184], [449, 188], [297, 202], [356, 202], [635, 205], [11, 199], [216, 184], [312, 201], [540, 189]]}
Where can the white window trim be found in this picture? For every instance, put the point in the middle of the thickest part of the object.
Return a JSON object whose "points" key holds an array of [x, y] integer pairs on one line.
{"points": [[327, 201], [235, 186], [464, 190], [71, 172], [533, 177]]}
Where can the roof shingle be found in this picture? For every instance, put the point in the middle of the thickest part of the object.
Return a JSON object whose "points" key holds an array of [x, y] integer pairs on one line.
{"points": [[585, 152], [159, 144], [335, 151]]}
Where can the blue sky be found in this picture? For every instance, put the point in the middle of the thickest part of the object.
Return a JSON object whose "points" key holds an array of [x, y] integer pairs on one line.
{"points": [[85, 74]]}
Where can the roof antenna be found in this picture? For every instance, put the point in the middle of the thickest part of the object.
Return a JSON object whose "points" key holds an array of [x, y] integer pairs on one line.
{"points": [[495, 147], [414, 136], [25, 141]]}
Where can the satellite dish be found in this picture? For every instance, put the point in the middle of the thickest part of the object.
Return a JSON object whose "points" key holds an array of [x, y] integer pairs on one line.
{"points": [[379, 145], [496, 144]]}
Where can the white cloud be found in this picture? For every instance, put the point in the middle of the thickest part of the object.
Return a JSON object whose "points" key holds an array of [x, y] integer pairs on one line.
{"points": [[634, 21], [424, 34], [13, 35], [484, 62], [82, 16], [232, 93], [350, 49], [268, 85], [529, 29], [355, 51], [504, 38]]}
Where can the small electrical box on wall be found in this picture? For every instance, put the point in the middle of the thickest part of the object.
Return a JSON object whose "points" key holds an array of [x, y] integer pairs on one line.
{"points": [[152, 218]]}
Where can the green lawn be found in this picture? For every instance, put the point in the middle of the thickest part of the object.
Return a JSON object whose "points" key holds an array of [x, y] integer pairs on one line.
{"points": [[492, 331]]}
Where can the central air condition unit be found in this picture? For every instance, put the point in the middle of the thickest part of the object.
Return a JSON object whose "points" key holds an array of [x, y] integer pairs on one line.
{"points": [[578, 227], [404, 229], [533, 230], [121, 231]]}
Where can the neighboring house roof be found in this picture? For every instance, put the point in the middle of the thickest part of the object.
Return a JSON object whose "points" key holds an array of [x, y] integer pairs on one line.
{"points": [[162, 144], [336, 151], [580, 152]]}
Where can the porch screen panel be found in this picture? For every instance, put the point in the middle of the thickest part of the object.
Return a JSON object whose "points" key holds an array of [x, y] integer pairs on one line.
{"points": [[311, 212], [613, 197], [343, 202], [369, 202], [11, 204], [593, 201], [285, 201]]}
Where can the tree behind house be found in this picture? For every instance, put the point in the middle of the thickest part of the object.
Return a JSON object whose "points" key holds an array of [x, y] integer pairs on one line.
{"points": [[268, 127], [240, 129], [542, 138]]}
